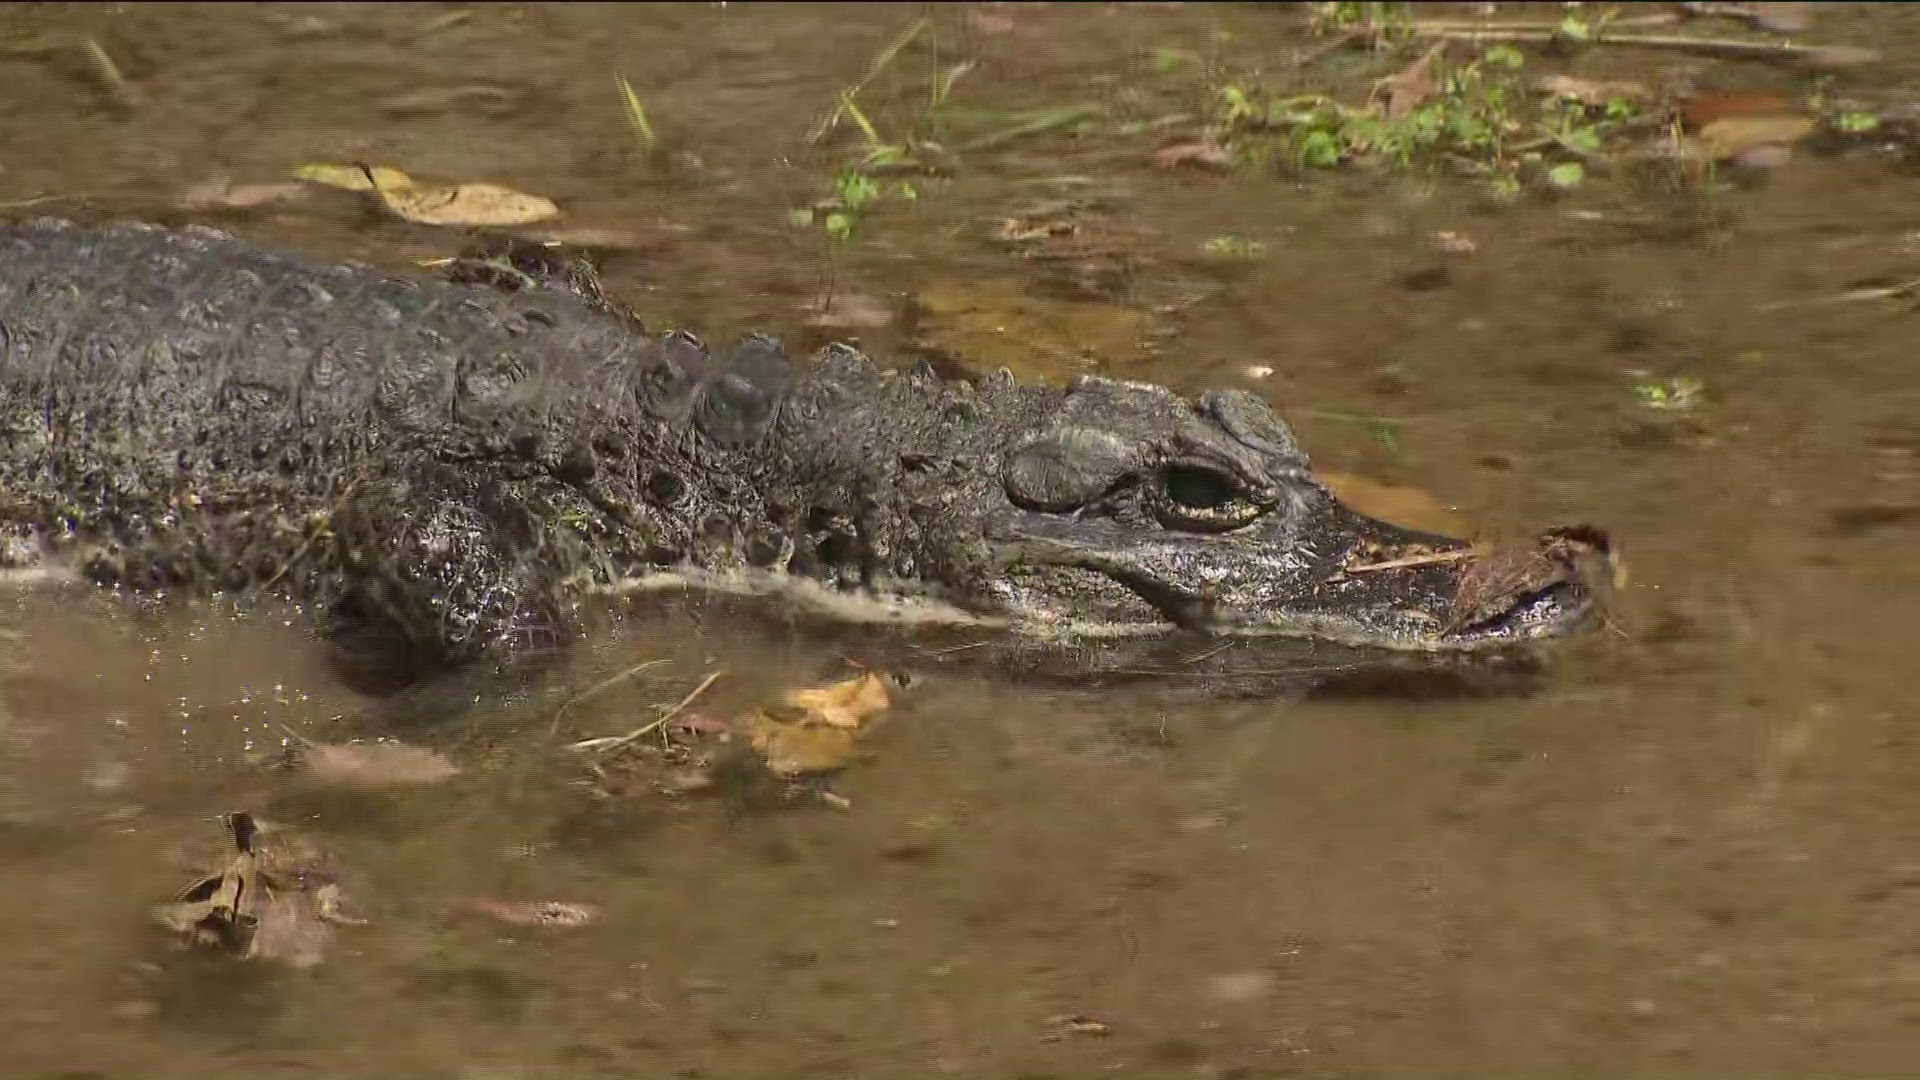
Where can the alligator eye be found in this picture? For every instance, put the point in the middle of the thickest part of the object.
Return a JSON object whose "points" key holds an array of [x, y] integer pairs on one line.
{"points": [[1202, 499]]}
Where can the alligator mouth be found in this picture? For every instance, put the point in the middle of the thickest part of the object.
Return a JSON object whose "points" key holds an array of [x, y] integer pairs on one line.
{"points": [[1443, 598]]}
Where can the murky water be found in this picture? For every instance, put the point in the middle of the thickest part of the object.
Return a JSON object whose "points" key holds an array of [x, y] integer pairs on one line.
{"points": [[1698, 850]]}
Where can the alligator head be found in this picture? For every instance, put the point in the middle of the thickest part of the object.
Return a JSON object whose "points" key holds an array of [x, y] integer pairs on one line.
{"points": [[1170, 531], [1115, 528]]}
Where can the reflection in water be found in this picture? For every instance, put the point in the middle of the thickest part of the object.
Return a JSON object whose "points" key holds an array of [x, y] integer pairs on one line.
{"points": [[1688, 851]]}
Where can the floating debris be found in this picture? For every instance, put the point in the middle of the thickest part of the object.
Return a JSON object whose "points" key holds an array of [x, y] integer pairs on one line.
{"points": [[382, 764], [817, 729], [273, 901], [555, 913]]}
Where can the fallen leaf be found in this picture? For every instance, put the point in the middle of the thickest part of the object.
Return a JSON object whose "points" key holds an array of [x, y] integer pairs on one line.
{"points": [[375, 764], [1408, 89], [817, 729], [791, 749], [987, 324], [847, 704], [223, 195], [1706, 107], [465, 204], [1201, 152], [1497, 578], [1595, 92], [290, 929], [1449, 242], [1398, 504], [352, 177], [271, 902], [561, 913], [1741, 136]]}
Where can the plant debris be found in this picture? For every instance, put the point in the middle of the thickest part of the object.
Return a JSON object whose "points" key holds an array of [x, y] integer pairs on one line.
{"points": [[1593, 93], [1408, 89], [817, 729], [555, 913], [1496, 579], [1204, 153], [272, 901], [469, 204], [373, 765]]}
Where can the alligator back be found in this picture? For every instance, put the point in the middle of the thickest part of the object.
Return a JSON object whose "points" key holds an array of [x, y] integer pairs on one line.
{"points": [[184, 409]]}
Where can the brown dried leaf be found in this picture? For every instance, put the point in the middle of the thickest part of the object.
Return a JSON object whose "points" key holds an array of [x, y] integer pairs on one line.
{"points": [[269, 903], [1498, 578], [1204, 153], [466, 204], [1737, 136], [290, 929], [222, 195], [1704, 108], [375, 764], [1407, 90]]}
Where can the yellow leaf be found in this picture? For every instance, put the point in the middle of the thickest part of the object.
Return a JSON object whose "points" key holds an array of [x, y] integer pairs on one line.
{"points": [[846, 704], [1398, 504], [1731, 136], [353, 177], [794, 747], [466, 204]]}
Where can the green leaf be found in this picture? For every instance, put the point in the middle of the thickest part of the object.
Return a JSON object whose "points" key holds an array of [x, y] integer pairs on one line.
{"points": [[1505, 56], [1567, 174]]}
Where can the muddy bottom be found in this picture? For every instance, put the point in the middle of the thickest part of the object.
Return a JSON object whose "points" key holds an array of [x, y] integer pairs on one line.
{"points": [[1695, 850]]}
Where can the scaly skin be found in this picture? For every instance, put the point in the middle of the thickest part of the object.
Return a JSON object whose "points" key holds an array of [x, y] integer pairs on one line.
{"points": [[440, 472]]}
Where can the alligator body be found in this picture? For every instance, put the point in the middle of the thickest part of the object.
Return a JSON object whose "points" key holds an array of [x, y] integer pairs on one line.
{"points": [[440, 472]]}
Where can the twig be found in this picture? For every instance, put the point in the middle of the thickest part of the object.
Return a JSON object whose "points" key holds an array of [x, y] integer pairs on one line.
{"points": [[1413, 560], [613, 742], [597, 688], [874, 69], [314, 536], [1441, 26], [1035, 126], [1822, 55], [123, 91], [1883, 292]]}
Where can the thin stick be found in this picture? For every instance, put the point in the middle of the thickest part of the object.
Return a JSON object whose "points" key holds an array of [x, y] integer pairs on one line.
{"points": [[1824, 55], [1443, 26], [874, 69], [1884, 292], [123, 91], [1413, 560], [597, 688], [613, 742], [314, 536]]}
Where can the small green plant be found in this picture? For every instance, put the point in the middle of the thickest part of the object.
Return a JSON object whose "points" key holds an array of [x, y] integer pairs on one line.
{"points": [[1856, 123], [1348, 17], [1480, 118], [1679, 394]]}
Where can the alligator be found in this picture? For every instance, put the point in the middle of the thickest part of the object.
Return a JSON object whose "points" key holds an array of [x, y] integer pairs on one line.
{"points": [[444, 470]]}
